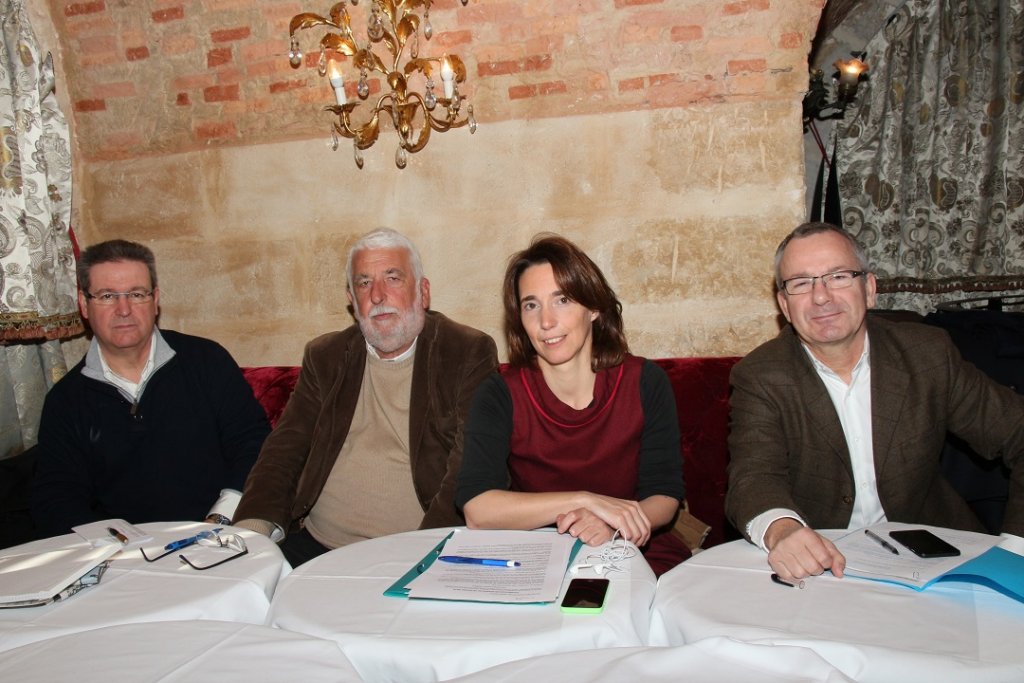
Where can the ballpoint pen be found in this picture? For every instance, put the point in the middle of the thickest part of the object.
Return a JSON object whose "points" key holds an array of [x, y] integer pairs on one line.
{"points": [[782, 582], [174, 545], [884, 543], [458, 559], [117, 534]]}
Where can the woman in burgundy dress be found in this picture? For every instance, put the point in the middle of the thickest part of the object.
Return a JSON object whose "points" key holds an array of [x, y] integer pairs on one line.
{"points": [[575, 431]]}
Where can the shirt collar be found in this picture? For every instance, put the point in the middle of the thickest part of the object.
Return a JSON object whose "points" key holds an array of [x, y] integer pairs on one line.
{"points": [[160, 352], [403, 356], [821, 368]]}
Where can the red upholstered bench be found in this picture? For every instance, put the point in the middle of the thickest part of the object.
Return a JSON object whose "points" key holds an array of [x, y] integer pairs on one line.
{"points": [[272, 386], [701, 387]]}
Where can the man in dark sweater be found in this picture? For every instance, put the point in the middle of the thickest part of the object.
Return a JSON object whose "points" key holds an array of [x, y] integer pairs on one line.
{"points": [[151, 425]]}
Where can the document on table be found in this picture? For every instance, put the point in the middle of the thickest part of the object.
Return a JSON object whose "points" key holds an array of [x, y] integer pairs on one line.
{"points": [[543, 556], [866, 558]]}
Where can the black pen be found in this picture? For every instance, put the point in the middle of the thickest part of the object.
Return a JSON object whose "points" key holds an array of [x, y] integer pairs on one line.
{"points": [[783, 582], [117, 534], [884, 543]]}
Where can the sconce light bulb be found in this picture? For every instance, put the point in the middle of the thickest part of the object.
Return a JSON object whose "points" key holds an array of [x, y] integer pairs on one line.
{"points": [[337, 81], [850, 71], [447, 77]]}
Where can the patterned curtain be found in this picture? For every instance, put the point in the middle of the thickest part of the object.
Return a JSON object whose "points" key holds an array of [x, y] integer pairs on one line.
{"points": [[37, 267], [931, 159]]}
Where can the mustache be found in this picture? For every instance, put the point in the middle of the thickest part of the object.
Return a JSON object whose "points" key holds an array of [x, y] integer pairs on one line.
{"points": [[381, 309]]}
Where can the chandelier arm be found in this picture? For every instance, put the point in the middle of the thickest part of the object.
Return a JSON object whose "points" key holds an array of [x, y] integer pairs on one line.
{"points": [[362, 133], [430, 120], [422, 138]]}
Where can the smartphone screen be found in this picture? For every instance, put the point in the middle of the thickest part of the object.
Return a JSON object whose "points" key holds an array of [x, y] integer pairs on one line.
{"points": [[924, 543], [585, 596]]}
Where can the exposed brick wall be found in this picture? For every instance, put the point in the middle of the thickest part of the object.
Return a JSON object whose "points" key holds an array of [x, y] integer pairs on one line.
{"points": [[158, 76]]}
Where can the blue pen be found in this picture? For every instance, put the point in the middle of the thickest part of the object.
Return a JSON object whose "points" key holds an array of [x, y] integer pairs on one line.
{"points": [[174, 545], [458, 559]]}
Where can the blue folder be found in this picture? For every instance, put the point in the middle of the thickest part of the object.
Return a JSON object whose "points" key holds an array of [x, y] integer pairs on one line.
{"points": [[400, 588]]}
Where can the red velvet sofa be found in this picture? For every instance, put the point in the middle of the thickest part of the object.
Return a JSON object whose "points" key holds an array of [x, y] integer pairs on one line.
{"points": [[701, 387]]}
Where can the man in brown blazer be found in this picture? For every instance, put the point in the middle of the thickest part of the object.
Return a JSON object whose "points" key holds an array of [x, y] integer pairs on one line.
{"points": [[839, 422], [370, 442]]}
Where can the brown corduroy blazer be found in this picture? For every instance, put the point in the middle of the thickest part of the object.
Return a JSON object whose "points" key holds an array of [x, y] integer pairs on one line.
{"points": [[451, 360]]}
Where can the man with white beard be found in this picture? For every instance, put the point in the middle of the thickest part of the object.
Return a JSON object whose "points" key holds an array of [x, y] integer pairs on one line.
{"points": [[370, 442]]}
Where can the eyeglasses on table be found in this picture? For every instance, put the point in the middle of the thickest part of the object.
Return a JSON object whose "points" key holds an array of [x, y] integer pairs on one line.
{"points": [[208, 539]]}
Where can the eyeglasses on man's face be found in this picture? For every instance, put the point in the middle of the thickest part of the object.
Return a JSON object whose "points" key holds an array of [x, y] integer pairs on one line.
{"points": [[135, 296], [839, 279]]}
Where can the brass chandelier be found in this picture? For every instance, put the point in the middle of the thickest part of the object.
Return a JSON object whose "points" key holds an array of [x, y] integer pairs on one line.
{"points": [[393, 25]]}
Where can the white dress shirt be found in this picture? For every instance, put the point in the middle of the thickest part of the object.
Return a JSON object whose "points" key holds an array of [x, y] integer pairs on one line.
{"points": [[853, 406]]}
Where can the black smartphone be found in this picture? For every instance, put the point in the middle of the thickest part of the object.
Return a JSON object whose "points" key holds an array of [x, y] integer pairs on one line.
{"points": [[585, 596], [924, 543]]}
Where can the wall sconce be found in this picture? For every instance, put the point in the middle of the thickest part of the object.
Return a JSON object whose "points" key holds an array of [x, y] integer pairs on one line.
{"points": [[846, 79], [394, 26]]}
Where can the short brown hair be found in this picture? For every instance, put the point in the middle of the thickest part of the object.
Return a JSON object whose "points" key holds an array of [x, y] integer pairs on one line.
{"points": [[580, 279], [111, 251]]}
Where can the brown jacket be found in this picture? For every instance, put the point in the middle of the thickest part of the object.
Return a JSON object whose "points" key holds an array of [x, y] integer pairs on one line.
{"points": [[451, 360], [787, 447]]}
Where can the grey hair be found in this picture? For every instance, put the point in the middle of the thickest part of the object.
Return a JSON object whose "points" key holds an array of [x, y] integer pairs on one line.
{"points": [[112, 251], [385, 238], [808, 229]]}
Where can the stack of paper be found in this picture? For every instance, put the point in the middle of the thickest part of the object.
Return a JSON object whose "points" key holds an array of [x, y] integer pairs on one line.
{"points": [[980, 561], [538, 562]]}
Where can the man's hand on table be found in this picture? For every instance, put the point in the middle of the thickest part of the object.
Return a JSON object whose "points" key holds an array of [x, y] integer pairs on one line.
{"points": [[796, 551]]}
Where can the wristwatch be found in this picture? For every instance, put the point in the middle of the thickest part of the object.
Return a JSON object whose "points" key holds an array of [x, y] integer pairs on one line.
{"points": [[217, 518]]}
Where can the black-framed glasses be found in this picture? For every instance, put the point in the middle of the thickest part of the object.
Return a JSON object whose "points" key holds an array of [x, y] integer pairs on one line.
{"points": [[133, 297], [230, 541], [837, 279], [208, 538]]}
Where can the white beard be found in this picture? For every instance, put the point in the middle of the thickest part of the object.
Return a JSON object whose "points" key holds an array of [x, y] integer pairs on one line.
{"points": [[399, 333]]}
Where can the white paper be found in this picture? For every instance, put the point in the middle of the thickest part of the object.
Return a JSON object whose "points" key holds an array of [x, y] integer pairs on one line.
{"points": [[100, 534], [866, 558], [543, 556]]}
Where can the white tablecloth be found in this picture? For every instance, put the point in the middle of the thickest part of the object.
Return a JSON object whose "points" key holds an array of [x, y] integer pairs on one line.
{"points": [[133, 590], [712, 660], [870, 631], [339, 596], [179, 652]]}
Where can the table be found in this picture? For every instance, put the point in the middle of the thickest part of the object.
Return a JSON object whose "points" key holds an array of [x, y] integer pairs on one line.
{"points": [[339, 596], [133, 590], [712, 660], [870, 631], [179, 651]]}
